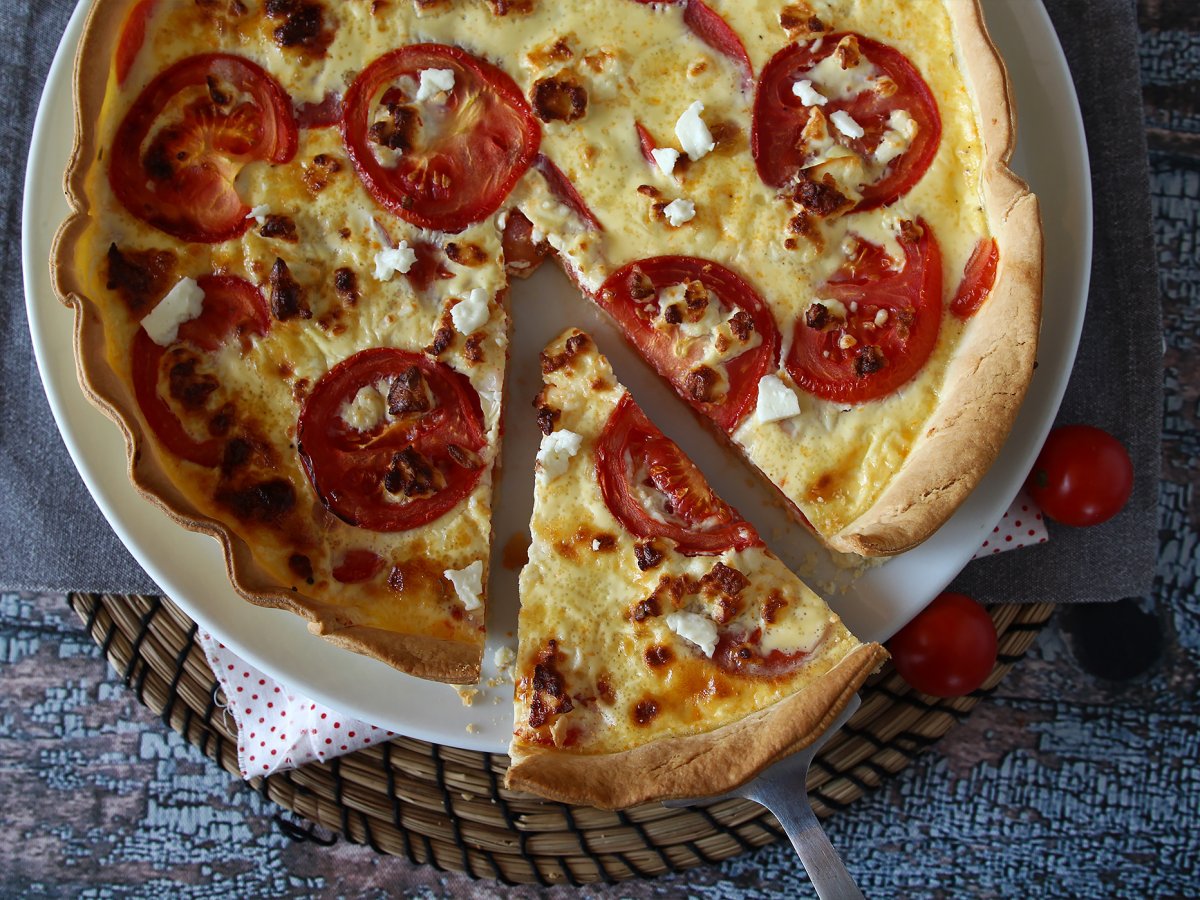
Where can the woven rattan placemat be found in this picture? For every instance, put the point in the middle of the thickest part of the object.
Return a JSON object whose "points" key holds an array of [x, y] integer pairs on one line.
{"points": [[445, 807]]}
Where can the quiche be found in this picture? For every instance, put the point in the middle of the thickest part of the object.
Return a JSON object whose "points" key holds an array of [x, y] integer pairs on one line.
{"points": [[663, 650], [295, 224]]}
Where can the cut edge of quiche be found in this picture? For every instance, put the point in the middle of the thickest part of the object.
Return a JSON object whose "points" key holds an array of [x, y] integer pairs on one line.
{"points": [[645, 672], [993, 365]]}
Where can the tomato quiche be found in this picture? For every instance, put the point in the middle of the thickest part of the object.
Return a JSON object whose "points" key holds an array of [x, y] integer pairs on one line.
{"points": [[663, 650], [295, 224]]}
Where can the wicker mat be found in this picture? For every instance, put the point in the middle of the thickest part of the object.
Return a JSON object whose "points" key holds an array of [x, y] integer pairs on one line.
{"points": [[445, 807]]}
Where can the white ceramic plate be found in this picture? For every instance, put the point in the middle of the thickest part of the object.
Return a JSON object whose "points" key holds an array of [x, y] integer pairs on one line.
{"points": [[1052, 156]]}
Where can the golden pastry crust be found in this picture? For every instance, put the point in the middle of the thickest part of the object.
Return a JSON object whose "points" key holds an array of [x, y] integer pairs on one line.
{"points": [[454, 662], [697, 765], [993, 365]]}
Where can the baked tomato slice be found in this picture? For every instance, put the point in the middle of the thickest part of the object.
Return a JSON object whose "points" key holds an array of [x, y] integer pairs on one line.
{"points": [[233, 309], [446, 161], [859, 85], [979, 278], [701, 326], [656, 491], [879, 324], [708, 25], [742, 653], [178, 151], [390, 439]]}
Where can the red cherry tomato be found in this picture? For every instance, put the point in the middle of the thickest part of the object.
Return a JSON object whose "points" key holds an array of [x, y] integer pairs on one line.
{"points": [[630, 296], [949, 649], [178, 151], [438, 165], [781, 150], [1083, 476], [979, 278], [892, 316], [408, 468], [639, 467], [233, 309]]}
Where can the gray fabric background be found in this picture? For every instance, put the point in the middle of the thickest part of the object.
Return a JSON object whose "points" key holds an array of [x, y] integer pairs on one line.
{"points": [[52, 536]]}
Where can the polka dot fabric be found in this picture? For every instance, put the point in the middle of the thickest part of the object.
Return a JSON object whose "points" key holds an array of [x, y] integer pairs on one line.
{"points": [[1022, 526], [278, 729]]}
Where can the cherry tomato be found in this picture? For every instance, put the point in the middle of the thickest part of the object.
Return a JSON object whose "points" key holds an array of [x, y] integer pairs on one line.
{"points": [[233, 309], [949, 649], [630, 295], [781, 149], [438, 165], [638, 467], [1083, 476], [178, 151], [979, 277], [410, 466], [889, 329]]}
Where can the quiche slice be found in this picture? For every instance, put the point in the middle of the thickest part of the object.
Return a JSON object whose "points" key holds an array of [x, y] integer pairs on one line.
{"points": [[663, 650]]}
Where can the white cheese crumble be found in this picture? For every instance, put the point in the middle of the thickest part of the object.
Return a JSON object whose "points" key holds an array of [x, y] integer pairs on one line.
{"points": [[596, 544], [847, 340], [697, 629], [366, 410], [835, 307], [389, 261], [556, 451], [471, 313], [694, 136], [433, 82], [665, 158], [881, 318], [181, 304], [776, 401], [809, 95], [504, 656], [680, 212], [468, 584], [846, 125], [259, 214], [902, 128]]}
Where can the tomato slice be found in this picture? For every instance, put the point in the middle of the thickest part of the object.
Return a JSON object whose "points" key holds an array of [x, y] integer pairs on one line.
{"points": [[777, 139], [708, 25], [565, 193], [631, 296], [233, 309], [133, 35], [979, 278], [656, 491], [741, 653], [438, 165], [410, 466], [180, 147], [890, 327]]}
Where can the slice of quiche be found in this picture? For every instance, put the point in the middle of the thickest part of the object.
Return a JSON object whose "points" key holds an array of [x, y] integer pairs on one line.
{"points": [[664, 651]]}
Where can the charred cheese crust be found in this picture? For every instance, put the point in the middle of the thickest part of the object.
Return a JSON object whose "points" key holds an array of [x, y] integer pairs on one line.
{"points": [[874, 479], [614, 705]]}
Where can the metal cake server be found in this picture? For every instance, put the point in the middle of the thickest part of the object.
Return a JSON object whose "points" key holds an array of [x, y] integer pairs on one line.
{"points": [[781, 789]]}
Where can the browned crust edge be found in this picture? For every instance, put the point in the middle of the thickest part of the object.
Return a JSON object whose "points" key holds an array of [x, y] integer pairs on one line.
{"points": [[990, 373], [425, 657], [697, 765]]}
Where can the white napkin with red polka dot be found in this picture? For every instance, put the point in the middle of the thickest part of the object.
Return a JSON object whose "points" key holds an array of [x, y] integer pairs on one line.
{"points": [[279, 729]]}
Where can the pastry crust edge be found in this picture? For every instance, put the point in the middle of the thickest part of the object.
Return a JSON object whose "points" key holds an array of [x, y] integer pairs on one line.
{"points": [[990, 372], [452, 662], [696, 765]]}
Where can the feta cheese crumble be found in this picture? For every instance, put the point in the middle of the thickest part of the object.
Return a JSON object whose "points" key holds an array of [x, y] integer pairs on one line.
{"points": [[556, 451], [470, 314], [776, 401], [696, 629], [809, 95], [665, 158], [433, 82], [181, 304], [259, 214], [694, 136], [389, 261], [679, 212], [468, 584], [366, 410], [846, 124]]}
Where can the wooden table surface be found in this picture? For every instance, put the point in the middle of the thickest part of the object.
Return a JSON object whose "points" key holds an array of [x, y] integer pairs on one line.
{"points": [[1078, 778]]}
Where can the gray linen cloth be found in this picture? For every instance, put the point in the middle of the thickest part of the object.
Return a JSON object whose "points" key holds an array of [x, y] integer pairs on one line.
{"points": [[53, 538]]}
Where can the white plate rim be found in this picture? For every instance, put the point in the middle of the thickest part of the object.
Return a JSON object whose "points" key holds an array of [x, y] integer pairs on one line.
{"points": [[267, 639]]}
